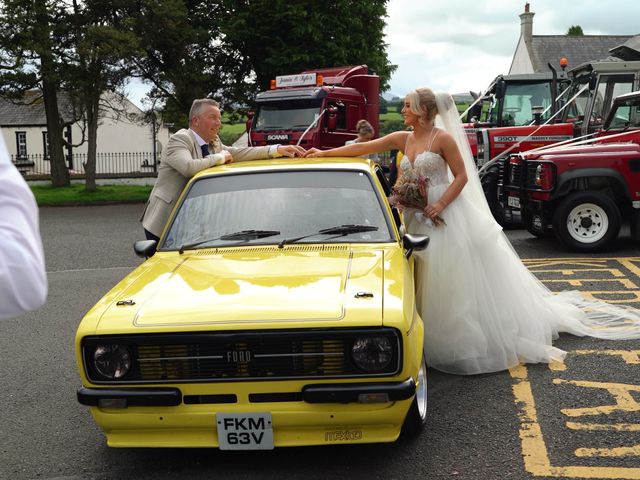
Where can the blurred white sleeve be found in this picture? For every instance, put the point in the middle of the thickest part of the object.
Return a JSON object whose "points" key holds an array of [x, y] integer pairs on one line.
{"points": [[23, 279]]}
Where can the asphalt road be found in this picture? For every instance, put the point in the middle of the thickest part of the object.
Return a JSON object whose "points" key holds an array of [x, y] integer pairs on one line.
{"points": [[516, 425]]}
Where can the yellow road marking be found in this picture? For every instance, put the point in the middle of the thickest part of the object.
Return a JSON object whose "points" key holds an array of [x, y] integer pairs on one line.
{"points": [[617, 427], [609, 452], [574, 282], [620, 392], [566, 272], [633, 296], [632, 357], [534, 449]]}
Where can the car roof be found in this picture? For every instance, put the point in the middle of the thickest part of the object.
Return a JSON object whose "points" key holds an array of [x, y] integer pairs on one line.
{"points": [[285, 163]]}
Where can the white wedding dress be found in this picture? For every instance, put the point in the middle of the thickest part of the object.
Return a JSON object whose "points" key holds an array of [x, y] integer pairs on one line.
{"points": [[483, 311]]}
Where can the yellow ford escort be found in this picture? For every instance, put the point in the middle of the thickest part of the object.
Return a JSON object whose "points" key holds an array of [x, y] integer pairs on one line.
{"points": [[277, 309]]}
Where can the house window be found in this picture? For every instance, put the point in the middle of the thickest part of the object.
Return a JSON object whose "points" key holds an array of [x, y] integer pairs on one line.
{"points": [[21, 144], [45, 144]]}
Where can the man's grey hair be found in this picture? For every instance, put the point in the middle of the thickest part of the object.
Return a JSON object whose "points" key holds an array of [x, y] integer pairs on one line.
{"points": [[198, 105]]}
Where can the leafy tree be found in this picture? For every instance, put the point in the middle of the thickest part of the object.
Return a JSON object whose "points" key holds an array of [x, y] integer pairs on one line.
{"points": [[384, 105], [278, 37], [31, 45], [100, 62], [231, 49], [575, 31], [185, 55]]}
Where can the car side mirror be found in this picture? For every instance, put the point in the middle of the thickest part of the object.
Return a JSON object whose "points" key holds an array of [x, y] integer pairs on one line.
{"points": [[145, 248], [414, 242]]}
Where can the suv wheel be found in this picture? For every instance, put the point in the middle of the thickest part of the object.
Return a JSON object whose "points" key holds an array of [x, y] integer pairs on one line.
{"points": [[528, 219], [417, 415], [587, 221]]}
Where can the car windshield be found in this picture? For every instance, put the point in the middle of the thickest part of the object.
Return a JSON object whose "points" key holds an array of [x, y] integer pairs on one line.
{"points": [[278, 207]]}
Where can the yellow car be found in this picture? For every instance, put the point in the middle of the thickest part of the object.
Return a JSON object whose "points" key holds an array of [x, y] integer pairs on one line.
{"points": [[277, 309]]}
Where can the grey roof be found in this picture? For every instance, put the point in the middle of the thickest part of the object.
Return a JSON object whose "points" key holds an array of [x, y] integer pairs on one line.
{"points": [[629, 51], [29, 111], [577, 49]]}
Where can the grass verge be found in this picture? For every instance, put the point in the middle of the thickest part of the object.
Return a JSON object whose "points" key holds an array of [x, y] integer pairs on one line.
{"points": [[46, 195]]}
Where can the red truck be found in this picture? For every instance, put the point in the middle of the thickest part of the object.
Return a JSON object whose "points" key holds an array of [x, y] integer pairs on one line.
{"points": [[581, 192], [316, 108], [586, 103]]}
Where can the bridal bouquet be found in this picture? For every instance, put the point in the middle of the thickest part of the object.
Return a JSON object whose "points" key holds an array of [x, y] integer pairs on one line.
{"points": [[413, 192]]}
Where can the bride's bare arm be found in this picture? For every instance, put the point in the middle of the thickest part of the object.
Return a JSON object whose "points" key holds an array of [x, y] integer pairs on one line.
{"points": [[395, 140], [451, 154]]}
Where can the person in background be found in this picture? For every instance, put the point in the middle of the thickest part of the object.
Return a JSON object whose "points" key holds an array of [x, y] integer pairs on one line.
{"points": [[191, 150], [365, 133], [23, 279]]}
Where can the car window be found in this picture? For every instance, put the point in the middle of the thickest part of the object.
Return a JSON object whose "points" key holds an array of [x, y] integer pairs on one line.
{"points": [[281, 205]]}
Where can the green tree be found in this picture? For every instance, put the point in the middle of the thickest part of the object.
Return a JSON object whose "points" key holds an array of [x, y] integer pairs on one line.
{"points": [[185, 54], [231, 49], [278, 37], [575, 31], [99, 63], [31, 46]]}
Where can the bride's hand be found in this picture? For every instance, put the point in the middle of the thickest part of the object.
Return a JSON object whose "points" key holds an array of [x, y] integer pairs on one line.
{"points": [[434, 209], [314, 152]]}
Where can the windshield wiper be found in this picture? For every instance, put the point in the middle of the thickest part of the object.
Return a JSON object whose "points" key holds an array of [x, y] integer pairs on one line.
{"points": [[241, 235], [338, 231]]}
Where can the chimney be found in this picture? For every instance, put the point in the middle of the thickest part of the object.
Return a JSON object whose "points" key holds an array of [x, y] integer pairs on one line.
{"points": [[526, 24]]}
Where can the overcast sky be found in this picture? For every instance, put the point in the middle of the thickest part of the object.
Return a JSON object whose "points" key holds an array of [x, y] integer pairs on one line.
{"points": [[461, 45]]}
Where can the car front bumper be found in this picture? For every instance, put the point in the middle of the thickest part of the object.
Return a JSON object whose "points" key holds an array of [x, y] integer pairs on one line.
{"points": [[321, 414]]}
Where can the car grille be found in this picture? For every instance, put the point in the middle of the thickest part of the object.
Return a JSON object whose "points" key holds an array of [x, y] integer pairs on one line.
{"points": [[513, 174], [219, 357]]}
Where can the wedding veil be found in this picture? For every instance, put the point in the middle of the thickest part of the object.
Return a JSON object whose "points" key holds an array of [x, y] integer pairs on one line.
{"points": [[449, 120], [599, 319]]}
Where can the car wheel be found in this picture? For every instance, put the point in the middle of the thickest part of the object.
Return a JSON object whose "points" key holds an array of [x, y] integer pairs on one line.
{"points": [[528, 221], [587, 221], [417, 415]]}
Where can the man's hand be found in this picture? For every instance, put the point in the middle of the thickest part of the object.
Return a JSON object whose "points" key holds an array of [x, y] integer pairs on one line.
{"points": [[314, 152], [227, 157], [291, 151]]}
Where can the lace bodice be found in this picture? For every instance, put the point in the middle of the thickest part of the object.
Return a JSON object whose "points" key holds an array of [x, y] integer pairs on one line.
{"points": [[427, 164]]}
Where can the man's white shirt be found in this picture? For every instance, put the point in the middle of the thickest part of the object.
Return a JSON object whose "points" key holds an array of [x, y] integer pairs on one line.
{"points": [[23, 279]]}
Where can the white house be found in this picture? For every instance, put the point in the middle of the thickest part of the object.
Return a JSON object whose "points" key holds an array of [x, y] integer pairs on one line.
{"points": [[125, 138], [533, 52]]}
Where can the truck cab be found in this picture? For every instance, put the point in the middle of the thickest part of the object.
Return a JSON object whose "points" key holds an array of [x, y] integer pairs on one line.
{"points": [[316, 108], [517, 100], [582, 193]]}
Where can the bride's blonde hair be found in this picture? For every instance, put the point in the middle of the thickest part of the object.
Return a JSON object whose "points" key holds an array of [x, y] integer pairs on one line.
{"points": [[422, 102]]}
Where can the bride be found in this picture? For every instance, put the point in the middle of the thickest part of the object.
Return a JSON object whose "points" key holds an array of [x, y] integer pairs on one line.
{"points": [[483, 311]]}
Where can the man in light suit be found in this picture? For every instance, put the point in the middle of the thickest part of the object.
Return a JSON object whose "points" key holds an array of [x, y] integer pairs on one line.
{"points": [[192, 150]]}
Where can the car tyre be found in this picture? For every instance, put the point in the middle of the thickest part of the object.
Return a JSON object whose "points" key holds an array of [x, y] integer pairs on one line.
{"points": [[587, 221], [527, 220], [417, 416]]}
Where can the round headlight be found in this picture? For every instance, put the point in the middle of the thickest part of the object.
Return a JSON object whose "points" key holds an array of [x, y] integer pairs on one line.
{"points": [[112, 361], [372, 354]]}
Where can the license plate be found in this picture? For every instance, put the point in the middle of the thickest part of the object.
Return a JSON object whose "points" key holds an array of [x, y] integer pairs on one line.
{"points": [[513, 202], [244, 431]]}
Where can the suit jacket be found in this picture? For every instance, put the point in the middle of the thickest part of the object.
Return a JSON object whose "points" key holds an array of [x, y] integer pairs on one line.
{"points": [[181, 160]]}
